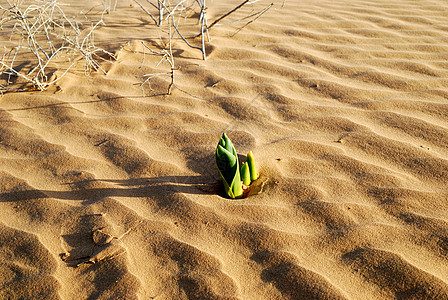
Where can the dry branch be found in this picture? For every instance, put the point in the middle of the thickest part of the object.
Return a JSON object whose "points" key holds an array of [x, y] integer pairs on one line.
{"points": [[42, 35], [257, 15], [170, 14], [166, 55], [227, 14]]}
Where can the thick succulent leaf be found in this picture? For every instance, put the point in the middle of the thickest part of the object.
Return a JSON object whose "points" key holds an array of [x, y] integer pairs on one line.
{"points": [[227, 143], [236, 185], [227, 163], [225, 160], [252, 166], [245, 174]]}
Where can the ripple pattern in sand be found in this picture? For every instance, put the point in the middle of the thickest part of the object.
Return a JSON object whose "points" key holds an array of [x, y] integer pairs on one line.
{"points": [[108, 194]]}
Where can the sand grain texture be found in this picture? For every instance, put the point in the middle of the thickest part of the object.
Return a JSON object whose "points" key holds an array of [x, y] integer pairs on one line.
{"points": [[106, 193]]}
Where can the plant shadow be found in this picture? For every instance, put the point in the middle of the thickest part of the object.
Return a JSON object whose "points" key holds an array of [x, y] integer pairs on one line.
{"points": [[134, 187]]}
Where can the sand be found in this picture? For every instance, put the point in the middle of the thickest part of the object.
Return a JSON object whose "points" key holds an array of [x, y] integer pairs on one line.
{"points": [[109, 193]]}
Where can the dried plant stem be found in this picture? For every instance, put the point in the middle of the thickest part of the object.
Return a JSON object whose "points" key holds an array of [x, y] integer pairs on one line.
{"points": [[161, 7], [227, 14], [168, 10], [108, 6], [43, 35], [185, 40], [257, 14], [166, 55], [146, 11]]}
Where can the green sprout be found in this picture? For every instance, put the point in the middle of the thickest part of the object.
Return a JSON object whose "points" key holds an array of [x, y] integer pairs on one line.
{"points": [[252, 166], [235, 183], [227, 162], [245, 174]]}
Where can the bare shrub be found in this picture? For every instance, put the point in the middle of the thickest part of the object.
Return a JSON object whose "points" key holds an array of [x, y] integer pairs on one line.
{"points": [[43, 40], [176, 12], [171, 16], [166, 55], [41, 37]]}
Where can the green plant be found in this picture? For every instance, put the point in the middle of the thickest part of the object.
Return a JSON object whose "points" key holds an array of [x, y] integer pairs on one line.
{"points": [[252, 167], [235, 183], [245, 174]]}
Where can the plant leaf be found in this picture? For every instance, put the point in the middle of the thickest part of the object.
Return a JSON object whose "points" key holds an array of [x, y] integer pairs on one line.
{"points": [[245, 174], [252, 166], [227, 162]]}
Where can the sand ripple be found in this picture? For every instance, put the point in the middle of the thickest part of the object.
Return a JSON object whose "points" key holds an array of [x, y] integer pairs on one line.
{"points": [[107, 193]]}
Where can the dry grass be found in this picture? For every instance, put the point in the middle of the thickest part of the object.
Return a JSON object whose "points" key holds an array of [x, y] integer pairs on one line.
{"points": [[41, 36], [45, 43], [170, 16]]}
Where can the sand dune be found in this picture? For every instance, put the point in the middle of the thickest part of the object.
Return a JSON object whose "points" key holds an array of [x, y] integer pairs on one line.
{"points": [[111, 192]]}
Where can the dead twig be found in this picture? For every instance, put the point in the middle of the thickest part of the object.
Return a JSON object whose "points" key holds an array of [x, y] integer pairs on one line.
{"points": [[227, 14], [257, 14], [170, 16], [146, 11], [166, 55], [45, 37]]}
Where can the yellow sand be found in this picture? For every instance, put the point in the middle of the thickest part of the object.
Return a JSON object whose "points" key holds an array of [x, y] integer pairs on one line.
{"points": [[109, 194]]}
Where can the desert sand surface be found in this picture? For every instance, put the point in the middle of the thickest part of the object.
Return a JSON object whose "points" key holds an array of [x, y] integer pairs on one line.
{"points": [[108, 191]]}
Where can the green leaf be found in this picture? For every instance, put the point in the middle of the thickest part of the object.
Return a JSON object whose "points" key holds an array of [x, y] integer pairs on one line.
{"points": [[227, 162], [252, 166], [245, 174]]}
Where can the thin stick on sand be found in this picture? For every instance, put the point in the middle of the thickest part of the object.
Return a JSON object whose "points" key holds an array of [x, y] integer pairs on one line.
{"points": [[166, 55], [227, 14], [257, 14]]}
